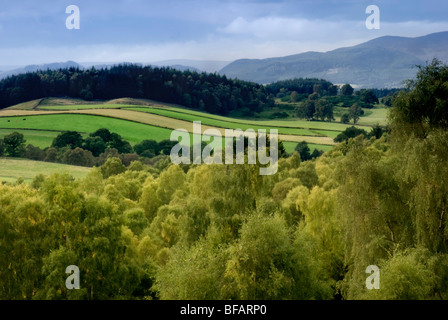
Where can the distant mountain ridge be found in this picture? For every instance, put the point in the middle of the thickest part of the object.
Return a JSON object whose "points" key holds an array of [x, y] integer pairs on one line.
{"points": [[209, 66], [383, 62], [182, 65], [35, 67]]}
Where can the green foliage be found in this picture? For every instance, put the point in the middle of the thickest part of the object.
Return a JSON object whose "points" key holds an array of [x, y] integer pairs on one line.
{"points": [[71, 139], [345, 118], [349, 133], [95, 144], [368, 97], [347, 90], [103, 133], [264, 265], [425, 170], [34, 153], [165, 146], [303, 150], [408, 275], [426, 103], [147, 148], [208, 92], [355, 112], [282, 188], [195, 273], [78, 157], [113, 166], [14, 144], [117, 142], [301, 86], [324, 110]]}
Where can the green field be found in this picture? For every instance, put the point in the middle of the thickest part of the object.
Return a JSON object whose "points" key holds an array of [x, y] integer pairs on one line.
{"points": [[41, 129], [38, 138], [177, 112], [184, 114], [223, 124], [131, 131], [12, 169], [374, 116]]}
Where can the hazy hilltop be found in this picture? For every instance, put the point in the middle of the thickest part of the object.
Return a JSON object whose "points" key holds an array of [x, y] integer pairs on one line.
{"points": [[382, 62], [199, 66], [210, 66], [35, 67]]}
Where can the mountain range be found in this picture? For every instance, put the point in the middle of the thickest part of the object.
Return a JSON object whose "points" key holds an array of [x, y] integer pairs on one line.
{"points": [[183, 65], [35, 67], [383, 62]]}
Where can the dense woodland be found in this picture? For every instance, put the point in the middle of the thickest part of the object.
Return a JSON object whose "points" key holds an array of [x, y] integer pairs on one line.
{"points": [[208, 92], [225, 232]]}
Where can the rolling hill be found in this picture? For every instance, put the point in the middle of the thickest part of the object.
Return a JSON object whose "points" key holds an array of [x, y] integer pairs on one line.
{"points": [[384, 62], [138, 119]]}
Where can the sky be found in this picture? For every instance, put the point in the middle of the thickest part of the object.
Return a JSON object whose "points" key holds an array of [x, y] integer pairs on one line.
{"points": [[144, 31]]}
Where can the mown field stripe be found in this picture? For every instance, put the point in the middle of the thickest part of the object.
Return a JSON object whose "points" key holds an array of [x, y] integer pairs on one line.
{"points": [[150, 107], [187, 117], [224, 124], [130, 130]]}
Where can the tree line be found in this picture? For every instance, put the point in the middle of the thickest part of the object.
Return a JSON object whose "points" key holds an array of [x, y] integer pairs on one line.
{"points": [[72, 148], [204, 91]]}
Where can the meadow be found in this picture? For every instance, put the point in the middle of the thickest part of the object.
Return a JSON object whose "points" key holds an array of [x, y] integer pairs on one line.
{"points": [[40, 121], [13, 169]]}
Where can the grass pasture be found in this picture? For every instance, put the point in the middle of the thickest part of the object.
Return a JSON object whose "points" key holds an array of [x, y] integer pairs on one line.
{"points": [[182, 113], [13, 169], [223, 123], [139, 119], [38, 138], [131, 131]]}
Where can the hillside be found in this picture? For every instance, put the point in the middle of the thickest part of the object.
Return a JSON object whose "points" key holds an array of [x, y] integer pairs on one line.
{"points": [[13, 169], [40, 121], [384, 62], [139, 119]]}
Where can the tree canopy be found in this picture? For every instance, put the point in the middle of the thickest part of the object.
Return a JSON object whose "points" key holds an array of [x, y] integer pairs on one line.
{"points": [[208, 92]]}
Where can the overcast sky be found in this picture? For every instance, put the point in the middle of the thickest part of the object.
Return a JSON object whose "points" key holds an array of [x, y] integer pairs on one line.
{"points": [[34, 32]]}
